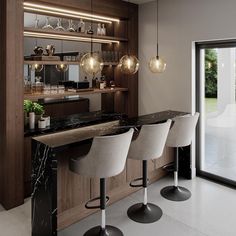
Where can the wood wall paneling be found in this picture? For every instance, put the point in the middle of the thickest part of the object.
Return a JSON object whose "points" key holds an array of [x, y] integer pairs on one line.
{"points": [[11, 86]]}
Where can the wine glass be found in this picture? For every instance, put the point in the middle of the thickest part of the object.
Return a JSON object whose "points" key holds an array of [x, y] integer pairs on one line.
{"points": [[47, 24], [71, 27], [59, 25]]}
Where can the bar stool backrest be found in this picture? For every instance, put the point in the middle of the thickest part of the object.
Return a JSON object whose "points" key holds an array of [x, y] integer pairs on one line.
{"points": [[181, 134], [106, 158], [150, 142]]}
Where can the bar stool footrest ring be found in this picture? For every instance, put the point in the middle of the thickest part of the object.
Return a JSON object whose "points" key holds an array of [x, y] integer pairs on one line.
{"points": [[93, 200], [133, 185]]}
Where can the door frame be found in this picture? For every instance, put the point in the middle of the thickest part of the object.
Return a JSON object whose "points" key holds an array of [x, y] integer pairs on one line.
{"points": [[198, 46]]}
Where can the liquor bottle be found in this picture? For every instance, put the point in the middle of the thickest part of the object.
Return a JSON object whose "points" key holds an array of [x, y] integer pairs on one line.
{"points": [[99, 29], [82, 25], [103, 30]]}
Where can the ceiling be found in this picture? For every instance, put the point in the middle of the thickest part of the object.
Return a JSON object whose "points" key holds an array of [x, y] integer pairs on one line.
{"points": [[139, 1]]}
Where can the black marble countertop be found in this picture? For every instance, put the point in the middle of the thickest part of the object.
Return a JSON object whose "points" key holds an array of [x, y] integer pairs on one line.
{"points": [[73, 122], [85, 126]]}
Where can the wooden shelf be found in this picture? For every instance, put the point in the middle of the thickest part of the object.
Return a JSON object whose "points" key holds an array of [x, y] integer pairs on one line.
{"points": [[35, 97], [69, 36], [64, 62]]}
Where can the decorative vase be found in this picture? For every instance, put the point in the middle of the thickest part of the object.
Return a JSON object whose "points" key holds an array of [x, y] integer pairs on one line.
{"points": [[32, 120]]}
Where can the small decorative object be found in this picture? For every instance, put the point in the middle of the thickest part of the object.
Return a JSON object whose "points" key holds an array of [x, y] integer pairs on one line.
{"points": [[94, 82], [112, 84], [102, 85], [90, 30], [103, 30], [32, 120], [99, 29], [91, 63], [129, 64], [70, 26], [59, 25], [38, 50], [47, 119], [42, 123], [50, 49], [47, 24]]}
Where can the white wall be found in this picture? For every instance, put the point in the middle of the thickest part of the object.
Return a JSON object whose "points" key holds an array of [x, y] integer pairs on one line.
{"points": [[180, 23]]}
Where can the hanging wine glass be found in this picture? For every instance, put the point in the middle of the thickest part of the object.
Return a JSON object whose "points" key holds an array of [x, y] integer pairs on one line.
{"points": [[59, 25], [71, 27], [47, 24], [36, 22]]}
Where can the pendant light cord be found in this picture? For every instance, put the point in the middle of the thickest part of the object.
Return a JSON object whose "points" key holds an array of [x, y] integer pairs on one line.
{"points": [[127, 28], [157, 31], [91, 25]]}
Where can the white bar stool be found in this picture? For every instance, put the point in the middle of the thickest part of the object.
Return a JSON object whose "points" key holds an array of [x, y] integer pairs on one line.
{"points": [[149, 145], [106, 158], [180, 135]]}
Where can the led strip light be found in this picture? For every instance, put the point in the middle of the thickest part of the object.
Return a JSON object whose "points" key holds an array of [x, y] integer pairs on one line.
{"points": [[67, 37], [38, 8]]}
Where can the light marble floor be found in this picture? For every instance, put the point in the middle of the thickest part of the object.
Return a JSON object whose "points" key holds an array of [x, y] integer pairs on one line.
{"points": [[210, 211]]}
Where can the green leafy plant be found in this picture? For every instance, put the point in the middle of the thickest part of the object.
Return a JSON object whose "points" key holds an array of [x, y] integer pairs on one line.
{"points": [[38, 109], [211, 73], [28, 106], [35, 107]]}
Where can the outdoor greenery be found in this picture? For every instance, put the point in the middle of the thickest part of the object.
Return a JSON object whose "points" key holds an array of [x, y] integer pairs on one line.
{"points": [[211, 73]]}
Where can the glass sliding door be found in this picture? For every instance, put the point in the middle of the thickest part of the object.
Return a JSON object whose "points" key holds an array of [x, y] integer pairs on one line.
{"points": [[217, 105]]}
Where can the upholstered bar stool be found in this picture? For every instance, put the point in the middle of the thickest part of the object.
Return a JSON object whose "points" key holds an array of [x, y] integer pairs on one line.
{"points": [[149, 145], [180, 135], [106, 158]]}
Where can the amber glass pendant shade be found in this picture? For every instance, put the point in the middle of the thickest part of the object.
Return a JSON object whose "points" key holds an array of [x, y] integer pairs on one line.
{"points": [[37, 67], [129, 65], [91, 64], [157, 65], [62, 67]]}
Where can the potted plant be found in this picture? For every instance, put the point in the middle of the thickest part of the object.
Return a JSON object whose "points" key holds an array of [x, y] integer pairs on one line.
{"points": [[38, 110], [32, 107], [28, 107]]}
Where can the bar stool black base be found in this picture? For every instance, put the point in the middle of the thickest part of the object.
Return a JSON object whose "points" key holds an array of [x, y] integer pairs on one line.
{"points": [[109, 231], [144, 213], [177, 194]]}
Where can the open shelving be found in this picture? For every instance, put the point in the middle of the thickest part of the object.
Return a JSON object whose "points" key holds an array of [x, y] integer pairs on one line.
{"points": [[64, 62], [70, 36], [35, 96]]}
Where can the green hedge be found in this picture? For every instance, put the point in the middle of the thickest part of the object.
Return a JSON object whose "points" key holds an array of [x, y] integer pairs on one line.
{"points": [[210, 73]]}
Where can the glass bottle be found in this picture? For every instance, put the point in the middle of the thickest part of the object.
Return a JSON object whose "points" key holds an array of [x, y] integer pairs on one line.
{"points": [[90, 30], [70, 26], [103, 30], [82, 25], [99, 29], [47, 24]]}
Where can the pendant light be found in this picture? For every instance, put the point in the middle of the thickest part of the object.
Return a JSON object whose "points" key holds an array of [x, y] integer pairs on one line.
{"points": [[91, 63], [129, 64], [157, 64], [61, 67], [36, 67]]}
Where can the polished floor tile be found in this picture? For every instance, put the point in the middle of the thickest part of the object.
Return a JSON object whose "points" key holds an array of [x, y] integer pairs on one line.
{"points": [[211, 211]]}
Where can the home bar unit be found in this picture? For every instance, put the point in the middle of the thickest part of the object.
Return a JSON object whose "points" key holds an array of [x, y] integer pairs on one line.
{"points": [[46, 74]]}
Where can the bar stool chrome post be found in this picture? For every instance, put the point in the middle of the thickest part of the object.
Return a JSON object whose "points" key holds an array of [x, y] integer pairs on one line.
{"points": [[103, 163], [149, 145], [180, 135]]}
